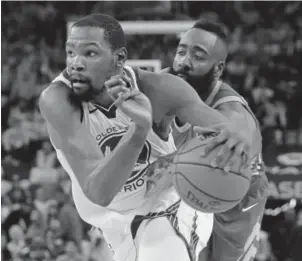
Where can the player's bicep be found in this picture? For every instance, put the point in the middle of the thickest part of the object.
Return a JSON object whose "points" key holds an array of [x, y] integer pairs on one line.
{"points": [[57, 110], [185, 103]]}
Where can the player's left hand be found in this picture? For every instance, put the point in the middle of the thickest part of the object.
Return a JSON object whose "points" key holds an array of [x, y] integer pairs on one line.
{"points": [[233, 146]]}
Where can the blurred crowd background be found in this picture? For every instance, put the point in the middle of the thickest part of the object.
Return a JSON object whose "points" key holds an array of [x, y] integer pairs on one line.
{"points": [[39, 219]]}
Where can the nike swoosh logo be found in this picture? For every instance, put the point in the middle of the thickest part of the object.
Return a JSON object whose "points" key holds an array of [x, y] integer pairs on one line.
{"points": [[248, 208]]}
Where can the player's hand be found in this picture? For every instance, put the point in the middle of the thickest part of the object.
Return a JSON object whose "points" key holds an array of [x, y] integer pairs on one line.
{"points": [[131, 101], [233, 146], [159, 175]]}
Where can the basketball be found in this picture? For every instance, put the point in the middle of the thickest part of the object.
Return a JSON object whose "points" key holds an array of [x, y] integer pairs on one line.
{"points": [[203, 187]]}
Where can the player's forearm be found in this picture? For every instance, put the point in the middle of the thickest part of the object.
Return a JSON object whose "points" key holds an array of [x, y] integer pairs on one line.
{"points": [[199, 114], [104, 184]]}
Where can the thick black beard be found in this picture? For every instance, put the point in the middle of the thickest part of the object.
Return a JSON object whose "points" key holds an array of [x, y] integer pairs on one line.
{"points": [[86, 96], [201, 84]]}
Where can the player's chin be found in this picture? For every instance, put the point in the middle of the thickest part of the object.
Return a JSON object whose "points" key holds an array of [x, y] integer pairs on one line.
{"points": [[80, 90]]}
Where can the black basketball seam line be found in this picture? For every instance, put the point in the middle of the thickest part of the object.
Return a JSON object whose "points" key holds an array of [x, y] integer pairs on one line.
{"points": [[198, 146], [200, 164], [225, 200]]}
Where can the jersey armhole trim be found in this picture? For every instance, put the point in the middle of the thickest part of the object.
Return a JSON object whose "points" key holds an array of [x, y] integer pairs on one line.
{"points": [[183, 128], [229, 99]]}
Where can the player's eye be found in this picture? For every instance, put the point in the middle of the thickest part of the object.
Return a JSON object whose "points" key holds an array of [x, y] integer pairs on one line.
{"points": [[69, 53], [91, 53], [181, 52], [199, 57]]}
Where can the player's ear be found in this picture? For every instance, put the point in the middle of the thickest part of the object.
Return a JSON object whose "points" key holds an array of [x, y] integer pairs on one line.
{"points": [[121, 56], [219, 67]]}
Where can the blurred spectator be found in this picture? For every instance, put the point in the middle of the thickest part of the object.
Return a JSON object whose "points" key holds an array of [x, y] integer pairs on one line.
{"points": [[38, 250], [272, 115], [17, 242], [46, 156], [37, 225], [236, 68], [261, 93], [71, 225], [281, 236], [296, 241], [71, 253], [54, 240], [5, 254]]}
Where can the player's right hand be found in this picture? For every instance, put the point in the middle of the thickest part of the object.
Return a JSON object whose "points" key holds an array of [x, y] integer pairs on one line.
{"points": [[131, 101]]}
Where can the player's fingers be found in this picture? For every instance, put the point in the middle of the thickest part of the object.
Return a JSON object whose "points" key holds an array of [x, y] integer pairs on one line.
{"points": [[117, 91], [125, 78], [201, 130], [248, 155], [224, 153], [236, 157], [214, 142], [114, 81]]}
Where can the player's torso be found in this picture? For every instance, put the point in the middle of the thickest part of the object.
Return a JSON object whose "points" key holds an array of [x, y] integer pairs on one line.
{"points": [[106, 127], [100, 131], [107, 132]]}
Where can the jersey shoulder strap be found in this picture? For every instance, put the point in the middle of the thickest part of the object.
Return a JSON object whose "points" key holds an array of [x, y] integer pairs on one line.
{"points": [[227, 94]]}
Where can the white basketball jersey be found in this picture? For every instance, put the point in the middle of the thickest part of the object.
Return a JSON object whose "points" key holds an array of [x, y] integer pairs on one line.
{"points": [[99, 134]]}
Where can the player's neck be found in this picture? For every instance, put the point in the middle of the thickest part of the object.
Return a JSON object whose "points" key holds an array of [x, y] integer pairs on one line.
{"points": [[204, 93], [103, 99]]}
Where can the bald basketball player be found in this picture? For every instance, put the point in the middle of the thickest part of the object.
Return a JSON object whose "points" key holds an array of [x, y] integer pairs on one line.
{"points": [[200, 61]]}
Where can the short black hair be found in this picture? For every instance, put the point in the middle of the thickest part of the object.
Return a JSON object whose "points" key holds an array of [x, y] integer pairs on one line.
{"points": [[214, 27], [113, 31]]}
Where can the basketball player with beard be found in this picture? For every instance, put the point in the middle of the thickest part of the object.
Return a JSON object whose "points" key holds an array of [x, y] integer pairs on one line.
{"points": [[108, 123], [200, 60]]}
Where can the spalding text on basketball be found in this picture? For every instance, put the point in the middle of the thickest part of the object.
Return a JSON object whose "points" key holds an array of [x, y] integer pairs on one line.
{"points": [[206, 206]]}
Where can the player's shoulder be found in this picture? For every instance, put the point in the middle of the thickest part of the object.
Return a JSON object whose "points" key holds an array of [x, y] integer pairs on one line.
{"points": [[59, 107], [227, 89], [60, 94]]}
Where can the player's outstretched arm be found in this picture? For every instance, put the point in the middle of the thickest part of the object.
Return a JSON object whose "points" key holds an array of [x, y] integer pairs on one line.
{"points": [[182, 101]]}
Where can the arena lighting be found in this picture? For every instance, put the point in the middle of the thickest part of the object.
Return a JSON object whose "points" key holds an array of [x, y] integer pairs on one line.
{"points": [[150, 27], [274, 212]]}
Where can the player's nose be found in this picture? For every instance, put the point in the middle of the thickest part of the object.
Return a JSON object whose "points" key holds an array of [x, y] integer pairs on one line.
{"points": [[185, 62], [78, 65]]}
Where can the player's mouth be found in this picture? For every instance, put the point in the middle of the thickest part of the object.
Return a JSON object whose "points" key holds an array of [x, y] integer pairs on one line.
{"points": [[79, 83]]}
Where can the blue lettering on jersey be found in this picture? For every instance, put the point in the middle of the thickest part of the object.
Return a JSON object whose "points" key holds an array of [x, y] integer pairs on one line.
{"points": [[107, 142]]}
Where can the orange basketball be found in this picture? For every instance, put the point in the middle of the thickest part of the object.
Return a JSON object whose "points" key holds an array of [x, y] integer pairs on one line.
{"points": [[203, 187]]}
